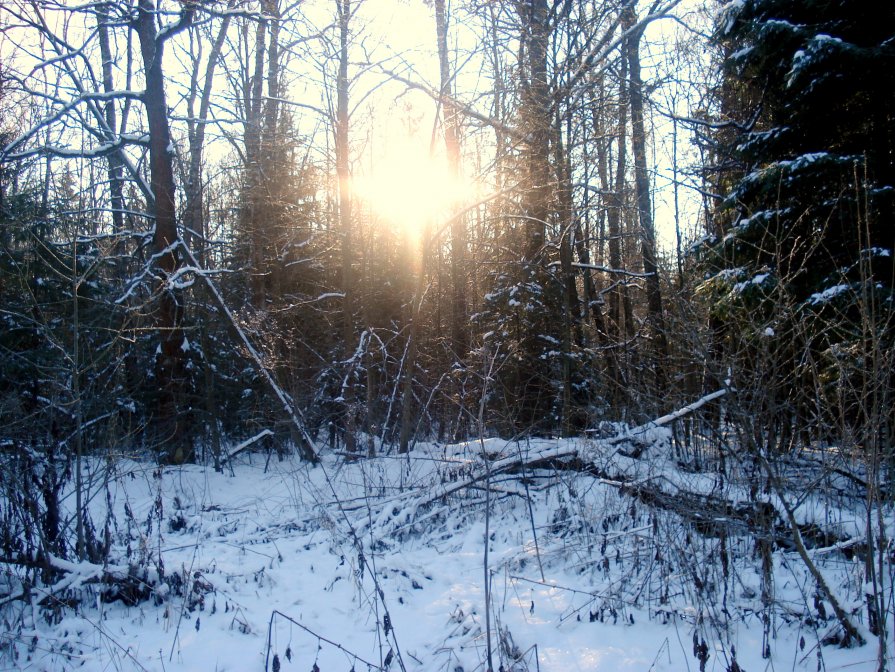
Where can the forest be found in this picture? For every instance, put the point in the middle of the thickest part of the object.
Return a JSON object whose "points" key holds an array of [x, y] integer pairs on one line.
{"points": [[447, 335]]}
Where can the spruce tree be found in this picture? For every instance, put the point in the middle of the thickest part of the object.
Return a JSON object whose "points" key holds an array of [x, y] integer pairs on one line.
{"points": [[802, 263]]}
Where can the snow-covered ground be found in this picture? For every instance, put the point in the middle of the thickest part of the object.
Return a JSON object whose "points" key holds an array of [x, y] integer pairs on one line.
{"points": [[380, 563]]}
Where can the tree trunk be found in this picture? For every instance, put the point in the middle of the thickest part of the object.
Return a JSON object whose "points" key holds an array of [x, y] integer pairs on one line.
{"points": [[536, 118], [272, 167], [115, 163], [615, 205], [644, 209], [253, 215], [194, 222], [459, 313], [345, 223], [535, 393], [408, 417], [173, 444], [570, 304], [595, 298]]}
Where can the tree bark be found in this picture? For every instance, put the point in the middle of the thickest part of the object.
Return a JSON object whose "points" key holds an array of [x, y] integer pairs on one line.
{"points": [[536, 118], [614, 206], [115, 164], [345, 222], [272, 167], [535, 393], [647, 229], [194, 220], [253, 206], [594, 298], [451, 115], [570, 304], [173, 444], [459, 321], [408, 417]]}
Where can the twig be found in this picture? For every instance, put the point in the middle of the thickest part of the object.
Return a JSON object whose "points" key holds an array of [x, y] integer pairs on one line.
{"points": [[487, 461], [851, 632], [321, 638], [531, 518]]}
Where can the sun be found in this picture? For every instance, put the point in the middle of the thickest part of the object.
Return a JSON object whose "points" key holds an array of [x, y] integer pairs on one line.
{"points": [[411, 187]]}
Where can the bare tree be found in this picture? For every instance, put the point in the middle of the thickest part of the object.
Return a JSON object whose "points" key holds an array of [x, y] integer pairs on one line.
{"points": [[644, 207], [451, 120], [166, 239]]}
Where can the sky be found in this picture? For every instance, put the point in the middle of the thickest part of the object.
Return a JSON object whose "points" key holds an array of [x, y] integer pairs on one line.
{"points": [[394, 128]]}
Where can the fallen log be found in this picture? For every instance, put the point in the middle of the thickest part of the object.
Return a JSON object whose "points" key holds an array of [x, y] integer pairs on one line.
{"points": [[130, 585], [711, 515], [245, 445], [545, 457]]}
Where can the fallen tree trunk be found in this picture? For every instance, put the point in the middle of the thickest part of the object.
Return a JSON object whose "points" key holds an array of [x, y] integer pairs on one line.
{"points": [[130, 585], [852, 636], [709, 514], [563, 457], [298, 426]]}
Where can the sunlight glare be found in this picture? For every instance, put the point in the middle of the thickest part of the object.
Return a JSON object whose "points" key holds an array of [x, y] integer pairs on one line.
{"points": [[410, 188]]}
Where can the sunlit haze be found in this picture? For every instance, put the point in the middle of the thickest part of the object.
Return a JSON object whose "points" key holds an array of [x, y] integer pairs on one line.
{"points": [[410, 187]]}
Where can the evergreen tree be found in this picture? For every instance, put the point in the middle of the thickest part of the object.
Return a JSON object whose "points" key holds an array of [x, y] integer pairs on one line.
{"points": [[802, 266]]}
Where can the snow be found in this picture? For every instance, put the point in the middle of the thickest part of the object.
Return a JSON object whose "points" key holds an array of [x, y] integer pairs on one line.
{"points": [[730, 13], [308, 563], [238, 448], [805, 160], [828, 294], [876, 252], [127, 405], [792, 169], [823, 38], [805, 58], [756, 280], [780, 25], [740, 54], [762, 138]]}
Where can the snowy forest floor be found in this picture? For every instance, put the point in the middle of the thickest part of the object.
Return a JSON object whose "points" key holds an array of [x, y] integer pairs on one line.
{"points": [[380, 563]]}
